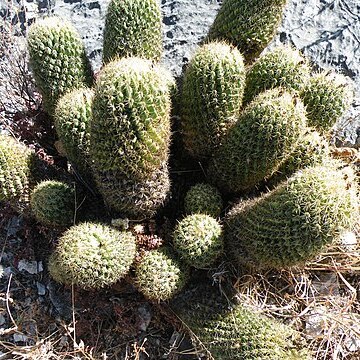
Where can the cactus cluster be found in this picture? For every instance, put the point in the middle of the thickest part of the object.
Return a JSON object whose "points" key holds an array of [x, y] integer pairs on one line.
{"points": [[253, 128]]}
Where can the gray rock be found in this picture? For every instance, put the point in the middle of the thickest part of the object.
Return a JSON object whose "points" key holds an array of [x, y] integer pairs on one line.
{"points": [[32, 267]]}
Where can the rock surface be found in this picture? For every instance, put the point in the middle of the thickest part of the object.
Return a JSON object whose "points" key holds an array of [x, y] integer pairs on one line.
{"points": [[327, 31]]}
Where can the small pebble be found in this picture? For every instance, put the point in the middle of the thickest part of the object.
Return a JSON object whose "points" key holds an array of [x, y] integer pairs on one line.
{"points": [[41, 288], [32, 267], [20, 338]]}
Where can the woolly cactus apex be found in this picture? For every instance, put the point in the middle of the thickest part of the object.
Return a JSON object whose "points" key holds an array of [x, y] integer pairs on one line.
{"points": [[198, 239], [15, 171], [57, 59], [296, 220], [135, 198], [235, 333], [264, 136], [211, 96], [133, 28], [72, 121], [204, 199], [130, 131], [283, 66], [326, 96], [92, 256], [312, 149], [248, 24], [53, 203], [159, 276]]}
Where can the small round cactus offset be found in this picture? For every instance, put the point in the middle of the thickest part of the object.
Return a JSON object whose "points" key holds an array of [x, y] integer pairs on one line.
{"points": [[58, 59], [204, 199], [198, 239], [266, 133], [92, 256], [72, 120], [159, 276], [133, 28], [283, 66], [292, 223], [326, 96], [248, 24], [211, 97], [53, 203]]}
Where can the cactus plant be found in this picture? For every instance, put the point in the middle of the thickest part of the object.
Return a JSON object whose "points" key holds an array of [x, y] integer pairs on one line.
{"points": [[282, 66], [92, 256], [231, 331], [135, 197], [53, 203], [130, 132], [292, 223], [57, 59], [327, 96], [264, 136], [133, 28], [203, 198], [248, 24], [15, 171], [72, 121], [211, 97], [159, 276], [312, 149], [198, 239]]}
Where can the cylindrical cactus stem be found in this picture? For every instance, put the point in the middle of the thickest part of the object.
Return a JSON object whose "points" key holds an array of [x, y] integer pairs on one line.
{"points": [[247, 24], [293, 223], [264, 136], [133, 28], [130, 134], [57, 59], [211, 97], [72, 118]]}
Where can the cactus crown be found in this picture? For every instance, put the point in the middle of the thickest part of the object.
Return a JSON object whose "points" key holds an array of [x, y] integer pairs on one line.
{"points": [[131, 110], [57, 59], [72, 121], [92, 256]]}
